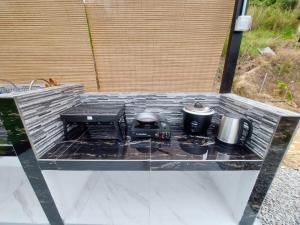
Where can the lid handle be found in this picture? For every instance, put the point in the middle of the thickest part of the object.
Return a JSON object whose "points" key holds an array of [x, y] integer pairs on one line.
{"points": [[198, 105]]}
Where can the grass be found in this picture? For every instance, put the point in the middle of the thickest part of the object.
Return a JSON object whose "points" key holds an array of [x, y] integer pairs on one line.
{"points": [[254, 40], [272, 26], [273, 18]]}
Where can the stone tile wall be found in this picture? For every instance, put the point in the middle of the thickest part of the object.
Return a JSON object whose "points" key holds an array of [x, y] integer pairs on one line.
{"points": [[40, 111], [265, 119], [169, 105]]}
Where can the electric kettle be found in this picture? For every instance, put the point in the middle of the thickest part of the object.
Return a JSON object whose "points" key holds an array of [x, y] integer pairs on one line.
{"points": [[232, 128]]}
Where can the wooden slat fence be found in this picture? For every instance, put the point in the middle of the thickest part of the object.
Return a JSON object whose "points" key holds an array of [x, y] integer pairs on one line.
{"points": [[43, 39], [144, 45]]}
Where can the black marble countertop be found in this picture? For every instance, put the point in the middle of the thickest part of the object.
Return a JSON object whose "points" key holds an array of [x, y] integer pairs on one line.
{"points": [[7, 150], [180, 147]]}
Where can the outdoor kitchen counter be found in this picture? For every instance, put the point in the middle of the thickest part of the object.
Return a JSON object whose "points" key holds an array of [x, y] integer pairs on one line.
{"points": [[76, 181], [182, 152]]}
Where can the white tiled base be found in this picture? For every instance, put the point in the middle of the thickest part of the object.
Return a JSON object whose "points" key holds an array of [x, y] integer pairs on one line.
{"points": [[106, 198], [18, 203], [127, 197], [186, 198], [149, 198]]}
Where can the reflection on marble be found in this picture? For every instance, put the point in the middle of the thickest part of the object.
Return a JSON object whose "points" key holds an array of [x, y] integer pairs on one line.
{"points": [[18, 202], [165, 165], [182, 152], [180, 147], [7, 150], [187, 147]]}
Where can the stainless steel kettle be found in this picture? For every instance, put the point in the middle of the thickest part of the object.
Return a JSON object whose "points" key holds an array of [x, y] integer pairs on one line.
{"points": [[232, 128]]}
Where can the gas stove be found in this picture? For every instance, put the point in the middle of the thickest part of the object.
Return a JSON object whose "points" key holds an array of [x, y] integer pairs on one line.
{"points": [[158, 130]]}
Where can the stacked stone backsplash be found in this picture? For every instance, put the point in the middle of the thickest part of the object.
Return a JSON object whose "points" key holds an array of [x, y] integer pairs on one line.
{"points": [[167, 105], [4, 89], [264, 119], [40, 111]]}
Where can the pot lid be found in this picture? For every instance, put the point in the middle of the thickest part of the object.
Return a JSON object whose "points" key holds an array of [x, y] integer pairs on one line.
{"points": [[198, 109], [147, 117]]}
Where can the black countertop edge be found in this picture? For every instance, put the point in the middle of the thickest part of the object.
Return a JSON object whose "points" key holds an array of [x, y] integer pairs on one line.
{"points": [[148, 160], [140, 165], [7, 150], [81, 165]]}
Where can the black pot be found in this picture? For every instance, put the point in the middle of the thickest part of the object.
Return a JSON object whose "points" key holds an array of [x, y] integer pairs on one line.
{"points": [[197, 118]]}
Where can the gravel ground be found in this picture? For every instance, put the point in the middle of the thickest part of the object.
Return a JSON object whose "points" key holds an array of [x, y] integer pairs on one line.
{"points": [[282, 203]]}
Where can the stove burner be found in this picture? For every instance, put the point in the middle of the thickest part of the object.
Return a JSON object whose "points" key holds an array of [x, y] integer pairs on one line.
{"points": [[157, 130]]}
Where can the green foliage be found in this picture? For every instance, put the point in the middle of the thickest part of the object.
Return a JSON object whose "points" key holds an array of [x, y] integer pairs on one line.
{"points": [[281, 85], [254, 40], [283, 68], [271, 27], [2, 142], [263, 2], [284, 90], [287, 4], [273, 18], [284, 4], [290, 96], [297, 11]]}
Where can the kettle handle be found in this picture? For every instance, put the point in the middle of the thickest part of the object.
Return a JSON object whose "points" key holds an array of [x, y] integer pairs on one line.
{"points": [[241, 129]]}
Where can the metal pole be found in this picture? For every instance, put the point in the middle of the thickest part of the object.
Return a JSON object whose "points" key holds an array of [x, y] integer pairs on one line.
{"points": [[233, 49]]}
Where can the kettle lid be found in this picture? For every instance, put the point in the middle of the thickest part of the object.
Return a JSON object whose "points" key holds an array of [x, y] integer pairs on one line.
{"points": [[198, 109]]}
